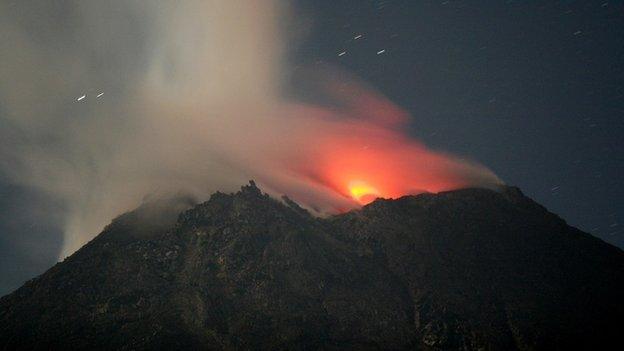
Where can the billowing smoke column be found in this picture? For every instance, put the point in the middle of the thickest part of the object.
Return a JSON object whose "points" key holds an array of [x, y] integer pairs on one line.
{"points": [[103, 103]]}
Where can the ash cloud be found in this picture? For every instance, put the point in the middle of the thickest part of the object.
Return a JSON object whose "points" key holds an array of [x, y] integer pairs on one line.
{"points": [[192, 102]]}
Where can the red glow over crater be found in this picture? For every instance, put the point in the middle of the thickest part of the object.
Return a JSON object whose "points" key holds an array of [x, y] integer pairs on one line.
{"points": [[362, 192], [375, 162], [342, 156], [361, 153]]}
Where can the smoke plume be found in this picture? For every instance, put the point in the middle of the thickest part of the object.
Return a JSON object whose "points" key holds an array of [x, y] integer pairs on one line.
{"points": [[103, 103]]}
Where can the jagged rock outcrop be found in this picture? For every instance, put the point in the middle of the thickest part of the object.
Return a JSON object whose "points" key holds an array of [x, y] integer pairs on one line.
{"points": [[471, 269]]}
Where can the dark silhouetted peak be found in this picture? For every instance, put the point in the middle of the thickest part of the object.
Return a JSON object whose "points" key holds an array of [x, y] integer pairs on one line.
{"points": [[512, 191], [471, 269], [251, 189], [249, 205]]}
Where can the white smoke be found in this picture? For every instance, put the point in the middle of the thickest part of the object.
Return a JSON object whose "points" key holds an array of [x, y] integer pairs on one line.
{"points": [[178, 79], [104, 102]]}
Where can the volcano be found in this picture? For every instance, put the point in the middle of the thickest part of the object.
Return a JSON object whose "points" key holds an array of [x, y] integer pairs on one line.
{"points": [[471, 269]]}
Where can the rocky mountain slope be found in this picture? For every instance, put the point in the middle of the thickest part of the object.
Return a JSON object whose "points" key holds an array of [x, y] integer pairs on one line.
{"points": [[470, 269]]}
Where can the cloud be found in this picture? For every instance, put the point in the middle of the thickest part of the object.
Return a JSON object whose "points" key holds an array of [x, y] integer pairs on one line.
{"points": [[193, 102]]}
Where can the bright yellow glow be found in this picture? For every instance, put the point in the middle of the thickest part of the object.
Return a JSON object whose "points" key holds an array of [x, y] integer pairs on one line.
{"points": [[362, 191]]}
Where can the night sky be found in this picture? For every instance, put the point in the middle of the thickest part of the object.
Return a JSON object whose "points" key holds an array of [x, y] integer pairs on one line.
{"points": [[533, 90]]}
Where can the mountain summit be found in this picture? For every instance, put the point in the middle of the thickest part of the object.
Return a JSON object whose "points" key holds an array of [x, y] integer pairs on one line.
{"points": [[470, 269]]}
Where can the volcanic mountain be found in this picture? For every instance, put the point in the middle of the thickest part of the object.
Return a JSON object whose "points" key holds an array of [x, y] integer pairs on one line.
{"points": [[470, 269]]}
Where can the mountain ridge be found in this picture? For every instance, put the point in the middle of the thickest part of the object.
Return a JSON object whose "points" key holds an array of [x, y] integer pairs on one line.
{"points": [[464, 269]]}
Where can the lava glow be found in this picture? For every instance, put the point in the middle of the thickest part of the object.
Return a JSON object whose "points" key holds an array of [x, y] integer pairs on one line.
{"points": [[354, 154], [362, 192]]}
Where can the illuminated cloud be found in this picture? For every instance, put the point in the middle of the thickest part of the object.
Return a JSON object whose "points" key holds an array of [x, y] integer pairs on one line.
{"points": [[193, 104]]}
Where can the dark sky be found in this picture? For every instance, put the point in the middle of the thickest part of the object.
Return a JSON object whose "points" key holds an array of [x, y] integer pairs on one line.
{"points": [[533, 90]]}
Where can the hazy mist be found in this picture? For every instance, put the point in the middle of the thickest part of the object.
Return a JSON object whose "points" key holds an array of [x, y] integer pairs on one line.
{"points": [[187, 97]]}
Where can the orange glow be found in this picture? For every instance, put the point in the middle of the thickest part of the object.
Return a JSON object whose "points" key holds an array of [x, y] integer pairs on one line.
{"points": [[350, 157], [362, 192], [340, 158]]}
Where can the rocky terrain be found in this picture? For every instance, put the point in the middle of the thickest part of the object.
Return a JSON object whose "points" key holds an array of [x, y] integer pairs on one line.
{"points": [[471, 269]]}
